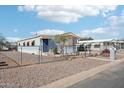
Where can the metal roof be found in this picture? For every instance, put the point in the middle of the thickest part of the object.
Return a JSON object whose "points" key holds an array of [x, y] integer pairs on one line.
{"points": [[96, 41], [49, 36]]}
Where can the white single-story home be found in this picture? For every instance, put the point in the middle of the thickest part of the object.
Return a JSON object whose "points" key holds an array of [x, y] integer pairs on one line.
{"points": [[46, 44], [101, 44]]}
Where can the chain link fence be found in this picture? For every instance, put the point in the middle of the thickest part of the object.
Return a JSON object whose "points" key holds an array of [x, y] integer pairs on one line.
{"points": [[29, 55]]}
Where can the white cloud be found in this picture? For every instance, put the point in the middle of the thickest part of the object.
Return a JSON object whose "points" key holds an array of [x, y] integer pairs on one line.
{"points": [[100, 32], [67, 14], [117, 21], [48, 32], [13, 39], [90, 32], [106, 9], [114, 28]]}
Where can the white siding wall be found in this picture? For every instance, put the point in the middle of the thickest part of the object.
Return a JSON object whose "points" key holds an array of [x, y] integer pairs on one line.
{"points": [[69, 50], [102, 46], [93, 48], [29, 49]]}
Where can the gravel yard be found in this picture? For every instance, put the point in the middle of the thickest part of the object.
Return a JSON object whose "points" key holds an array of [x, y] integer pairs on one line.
{"points": [[8, 61], [29, 58], [42, 74]]}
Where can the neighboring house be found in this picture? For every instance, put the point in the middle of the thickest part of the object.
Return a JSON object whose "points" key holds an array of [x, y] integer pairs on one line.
{"points": [[5, 48], [46, 44], [99, 45]]}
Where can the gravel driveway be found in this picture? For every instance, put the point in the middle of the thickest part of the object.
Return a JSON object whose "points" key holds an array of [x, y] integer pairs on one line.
{"points": [[42, 74]]}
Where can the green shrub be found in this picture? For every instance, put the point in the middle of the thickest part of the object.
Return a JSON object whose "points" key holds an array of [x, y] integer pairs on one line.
{"points": [[55, 51]]}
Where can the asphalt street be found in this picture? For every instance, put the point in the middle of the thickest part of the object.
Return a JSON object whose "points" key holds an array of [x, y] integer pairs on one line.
{"points": [[111, 78]]}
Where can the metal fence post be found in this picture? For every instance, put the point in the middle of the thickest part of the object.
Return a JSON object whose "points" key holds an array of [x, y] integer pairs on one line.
{"points": [[39, 55], [21, 55], [85, 51]]}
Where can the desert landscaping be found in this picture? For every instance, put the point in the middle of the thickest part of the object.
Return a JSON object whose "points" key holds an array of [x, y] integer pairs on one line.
{"points": [[41, 74]]}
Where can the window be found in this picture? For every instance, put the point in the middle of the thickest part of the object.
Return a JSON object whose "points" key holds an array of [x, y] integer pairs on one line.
{"points": [[19, 44], [24, 44], [97, 46], [27, 43], [33, 43]]}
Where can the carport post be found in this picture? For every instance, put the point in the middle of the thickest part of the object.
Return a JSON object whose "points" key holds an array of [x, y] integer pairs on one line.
{"points": [[112, 53]]}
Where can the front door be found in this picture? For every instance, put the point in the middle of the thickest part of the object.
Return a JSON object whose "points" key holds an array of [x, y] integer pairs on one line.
{"points": [[45, 45]]}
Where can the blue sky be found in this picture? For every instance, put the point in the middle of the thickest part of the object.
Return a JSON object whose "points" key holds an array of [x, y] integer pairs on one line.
{"points": [[99, 22]]}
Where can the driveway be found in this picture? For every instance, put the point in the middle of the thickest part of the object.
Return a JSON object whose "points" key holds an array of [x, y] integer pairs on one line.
{"points": [[112, 78]]}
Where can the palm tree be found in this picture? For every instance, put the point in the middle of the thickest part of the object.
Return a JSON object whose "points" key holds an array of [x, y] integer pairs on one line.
{"points": [[61, 39]]}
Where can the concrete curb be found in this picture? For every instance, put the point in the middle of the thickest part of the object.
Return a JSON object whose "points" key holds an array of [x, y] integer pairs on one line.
{"points": [[104, 59], [68, 81]]}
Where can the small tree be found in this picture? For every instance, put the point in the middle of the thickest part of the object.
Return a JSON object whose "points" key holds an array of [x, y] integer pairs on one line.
{"points": [[8, 44], [3, 43], [61, 39], [86, 38], [55, 51]]}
